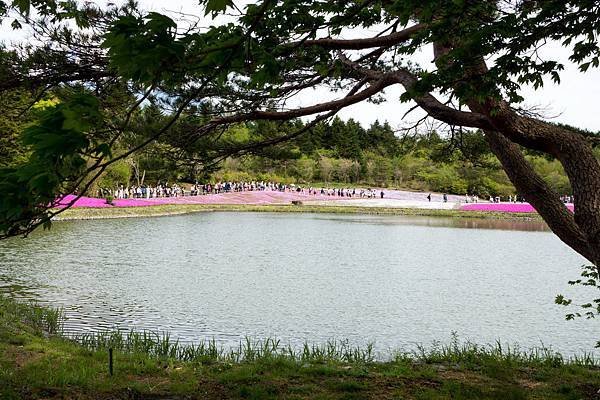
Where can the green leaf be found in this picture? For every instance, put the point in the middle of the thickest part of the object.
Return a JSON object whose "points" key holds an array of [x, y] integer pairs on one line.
{"points": [[217, 6], [584, 67], [103, 149], [24, 6]]}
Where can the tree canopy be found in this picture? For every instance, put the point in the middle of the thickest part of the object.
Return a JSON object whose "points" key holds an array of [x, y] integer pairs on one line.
{"points": [[106, 65]]}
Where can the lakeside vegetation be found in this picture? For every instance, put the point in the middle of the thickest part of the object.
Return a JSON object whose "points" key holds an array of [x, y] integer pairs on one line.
{"points": [[35, 363], [175, 209], [337, 153]]}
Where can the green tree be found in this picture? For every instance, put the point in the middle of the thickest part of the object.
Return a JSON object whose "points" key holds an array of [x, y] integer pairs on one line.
{"points": [[305, 169], [12, 150], [326, 168]]}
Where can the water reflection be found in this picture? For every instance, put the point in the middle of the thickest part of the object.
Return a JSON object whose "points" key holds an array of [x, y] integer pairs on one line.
{"points": [[531, 225]]}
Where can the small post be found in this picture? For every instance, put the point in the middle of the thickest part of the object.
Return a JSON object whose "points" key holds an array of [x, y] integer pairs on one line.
{"points": [[110, 361]]}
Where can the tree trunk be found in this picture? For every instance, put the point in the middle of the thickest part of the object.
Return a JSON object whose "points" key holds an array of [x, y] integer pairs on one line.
{"points": [[537, 192], [581, 230]]}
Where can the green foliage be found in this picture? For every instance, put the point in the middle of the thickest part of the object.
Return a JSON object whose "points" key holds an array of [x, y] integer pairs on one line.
{"points": [[41, 319], [115, 175], [305, 169], [58, 147], [144, 50], [216, 6], [345, 138], [444, 178], [346, 153], [45, 6], [12, 151], [589, 279], [553, 172], [422, 162], [236, 135]]}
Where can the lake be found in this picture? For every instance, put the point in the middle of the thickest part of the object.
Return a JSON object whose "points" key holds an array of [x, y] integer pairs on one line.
{"points": [[393, 280]]}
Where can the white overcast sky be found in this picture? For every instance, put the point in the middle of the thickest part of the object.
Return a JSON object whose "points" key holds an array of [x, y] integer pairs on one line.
{"points": [[576, 101]]}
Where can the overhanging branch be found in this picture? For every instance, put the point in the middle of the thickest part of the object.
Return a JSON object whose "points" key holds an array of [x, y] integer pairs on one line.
{"points": [[358, 44]]}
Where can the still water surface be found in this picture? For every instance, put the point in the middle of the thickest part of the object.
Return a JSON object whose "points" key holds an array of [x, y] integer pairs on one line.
{"points": [[395, 281]]}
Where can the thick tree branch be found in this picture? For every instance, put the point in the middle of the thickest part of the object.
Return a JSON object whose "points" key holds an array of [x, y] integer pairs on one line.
{"points": [[358, 44], [64, 74], [428, 102], [372, 90]]}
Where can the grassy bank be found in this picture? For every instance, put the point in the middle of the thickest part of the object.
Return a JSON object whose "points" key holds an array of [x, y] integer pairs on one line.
{"points": [[175, 209], [35, 364]]}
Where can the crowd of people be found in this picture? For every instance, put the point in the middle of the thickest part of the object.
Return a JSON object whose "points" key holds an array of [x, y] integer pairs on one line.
{"points": [[197, 189], [567, 198], [142, 191], [496, 199], [511, 199], [356, 193]]}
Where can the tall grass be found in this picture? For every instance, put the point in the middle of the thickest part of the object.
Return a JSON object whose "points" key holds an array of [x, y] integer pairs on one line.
{"points": [[162, 345], [466, 352], [333, 351], [41, 318]]}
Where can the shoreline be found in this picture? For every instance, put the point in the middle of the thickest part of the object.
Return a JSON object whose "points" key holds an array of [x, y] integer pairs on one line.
{"points": [[39, 362], [87, 213]]}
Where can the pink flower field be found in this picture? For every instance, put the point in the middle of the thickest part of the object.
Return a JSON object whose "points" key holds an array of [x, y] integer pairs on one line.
{"points": [[251, 198], [259, 197], [503, 207], [274, 197]]}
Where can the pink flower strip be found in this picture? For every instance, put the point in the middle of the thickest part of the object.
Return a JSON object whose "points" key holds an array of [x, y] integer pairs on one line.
{"points": [[503, 207]]}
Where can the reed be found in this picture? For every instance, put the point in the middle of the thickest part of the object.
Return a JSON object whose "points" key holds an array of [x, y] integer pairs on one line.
{"points": [[466, 352], [161, 345], [48, 320], [156, 365], [42, 319]]}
